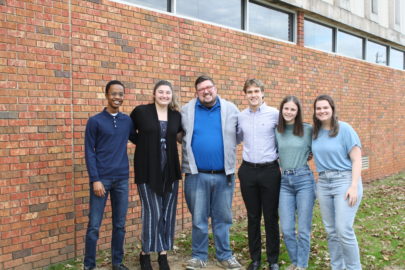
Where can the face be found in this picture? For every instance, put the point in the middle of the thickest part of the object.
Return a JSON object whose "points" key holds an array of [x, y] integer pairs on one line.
{"points": [[290, 110], [115, 97], [323, 111], [207, 93], [163, 95], [254, 95]]}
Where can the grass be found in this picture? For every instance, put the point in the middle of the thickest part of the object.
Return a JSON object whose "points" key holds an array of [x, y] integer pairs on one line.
{"points": [[379, 226]]}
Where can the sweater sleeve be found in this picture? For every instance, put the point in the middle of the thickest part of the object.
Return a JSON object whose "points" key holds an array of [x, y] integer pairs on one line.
{"points": [[90, 149], [134, 130]]}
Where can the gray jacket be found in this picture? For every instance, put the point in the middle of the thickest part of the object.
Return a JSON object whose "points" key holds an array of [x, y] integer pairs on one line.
{"points": [[229, 121]]}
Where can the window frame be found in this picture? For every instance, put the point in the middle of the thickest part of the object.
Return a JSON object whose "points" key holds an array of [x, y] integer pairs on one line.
{"points": [[389, 58], [363, 44], [291, 20], [334, 34], [386, 52]]}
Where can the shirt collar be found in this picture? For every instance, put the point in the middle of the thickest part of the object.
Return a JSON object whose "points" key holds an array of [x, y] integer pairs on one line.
{"points": [[109, 114], [260, 108], [216, 105]]}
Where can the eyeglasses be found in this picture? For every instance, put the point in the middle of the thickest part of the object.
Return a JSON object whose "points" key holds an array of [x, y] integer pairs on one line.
{"points": [[117, 94], [208, 88]]}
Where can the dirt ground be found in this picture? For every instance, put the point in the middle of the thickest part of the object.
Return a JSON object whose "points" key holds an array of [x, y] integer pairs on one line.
{"points": [[176, 263]]}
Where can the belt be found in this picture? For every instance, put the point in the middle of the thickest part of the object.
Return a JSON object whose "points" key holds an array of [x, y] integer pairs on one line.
{"points": [[260, 165], [211, 171]]}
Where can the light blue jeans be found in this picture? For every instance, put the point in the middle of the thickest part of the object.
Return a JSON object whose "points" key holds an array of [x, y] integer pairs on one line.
{"points": [[338, 218], [210, 195], [297, 197]]}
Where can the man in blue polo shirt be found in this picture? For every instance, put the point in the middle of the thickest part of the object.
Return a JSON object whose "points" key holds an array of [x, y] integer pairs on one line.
{"points": [[106, 139], [209, 157]]}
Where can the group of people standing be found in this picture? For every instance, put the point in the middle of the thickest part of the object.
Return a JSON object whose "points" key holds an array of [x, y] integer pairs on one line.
{"points": [[275, 178]]}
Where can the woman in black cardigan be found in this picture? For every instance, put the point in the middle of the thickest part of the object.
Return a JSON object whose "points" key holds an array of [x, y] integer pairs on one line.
{"points": [[157, 171]]}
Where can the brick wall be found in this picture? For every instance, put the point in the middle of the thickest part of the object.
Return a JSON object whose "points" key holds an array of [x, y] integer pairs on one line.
{"points": [[55, 59]]}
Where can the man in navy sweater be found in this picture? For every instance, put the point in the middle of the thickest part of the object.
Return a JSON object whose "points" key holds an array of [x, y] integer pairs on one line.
{"points": [[106, 139]]}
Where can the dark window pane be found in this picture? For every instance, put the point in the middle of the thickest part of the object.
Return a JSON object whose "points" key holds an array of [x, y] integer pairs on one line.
{"points": [[349, 45], [227, 13], [318, 36], [270, 22], [158, 4], [376, 53], [396, 59]]}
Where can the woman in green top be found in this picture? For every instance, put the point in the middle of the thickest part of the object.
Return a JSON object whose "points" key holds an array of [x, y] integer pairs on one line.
{"points": [[297, 192]]}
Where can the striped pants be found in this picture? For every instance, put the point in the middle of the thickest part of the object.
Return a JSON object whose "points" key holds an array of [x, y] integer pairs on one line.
{"points": [[158, 218]]}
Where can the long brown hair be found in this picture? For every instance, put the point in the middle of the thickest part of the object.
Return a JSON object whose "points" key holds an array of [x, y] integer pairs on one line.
{"points": [[298, 125], [173, 105], [334, 124]]}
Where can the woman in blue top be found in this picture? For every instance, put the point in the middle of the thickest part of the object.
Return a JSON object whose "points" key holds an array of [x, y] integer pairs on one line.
{"points": [[297, 194], [337, 151]]}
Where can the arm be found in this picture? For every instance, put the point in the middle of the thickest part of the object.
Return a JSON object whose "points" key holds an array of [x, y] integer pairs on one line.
{"points": [[355, 156], [90, 155], [179, 136], [134, 134]]}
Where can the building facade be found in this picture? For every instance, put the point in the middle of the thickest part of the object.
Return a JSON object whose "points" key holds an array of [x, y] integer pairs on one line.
{"points": [[57, 55]]}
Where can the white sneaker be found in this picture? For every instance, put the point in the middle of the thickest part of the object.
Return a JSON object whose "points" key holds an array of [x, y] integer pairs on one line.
{"points": [[195, 263], [230, 264]]}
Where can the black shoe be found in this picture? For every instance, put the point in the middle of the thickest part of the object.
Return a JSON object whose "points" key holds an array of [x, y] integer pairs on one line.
{"points": [[88, 268], [254, 265], [273, 266], [163, 263], [119, 267], [144, 260]]}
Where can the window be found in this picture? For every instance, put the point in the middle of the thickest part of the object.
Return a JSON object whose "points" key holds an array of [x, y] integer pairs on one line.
{"points": [[397, 12], [374, 6], [318, 36], [397, 59], [227, 13], [158, 4], [376, 53], [349, 45], [270, 22]]}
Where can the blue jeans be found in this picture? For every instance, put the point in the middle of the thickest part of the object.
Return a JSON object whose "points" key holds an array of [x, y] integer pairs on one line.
{"points": [[338, 218], [118, 190], [297, 197], [210, 195]]}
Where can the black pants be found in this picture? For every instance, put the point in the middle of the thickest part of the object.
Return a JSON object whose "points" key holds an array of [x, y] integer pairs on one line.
{"points": [[260, 189]]}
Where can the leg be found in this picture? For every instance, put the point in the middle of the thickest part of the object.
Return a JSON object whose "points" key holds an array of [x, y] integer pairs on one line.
{"points": [[151, 214], [287, 208], [270, 179], [96, 211], [345, 216], [327, 207], [197, 193], [166, 231], [305, 204], [221, 213], [251, 197], [119, 205]]}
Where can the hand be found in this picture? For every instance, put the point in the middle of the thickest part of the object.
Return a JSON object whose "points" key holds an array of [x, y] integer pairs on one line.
{"points": [[310, 156], [98, 189], [351, 194]]}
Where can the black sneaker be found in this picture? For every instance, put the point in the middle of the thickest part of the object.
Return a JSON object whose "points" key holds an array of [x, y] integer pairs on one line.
{"points": [[119, 267]]}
